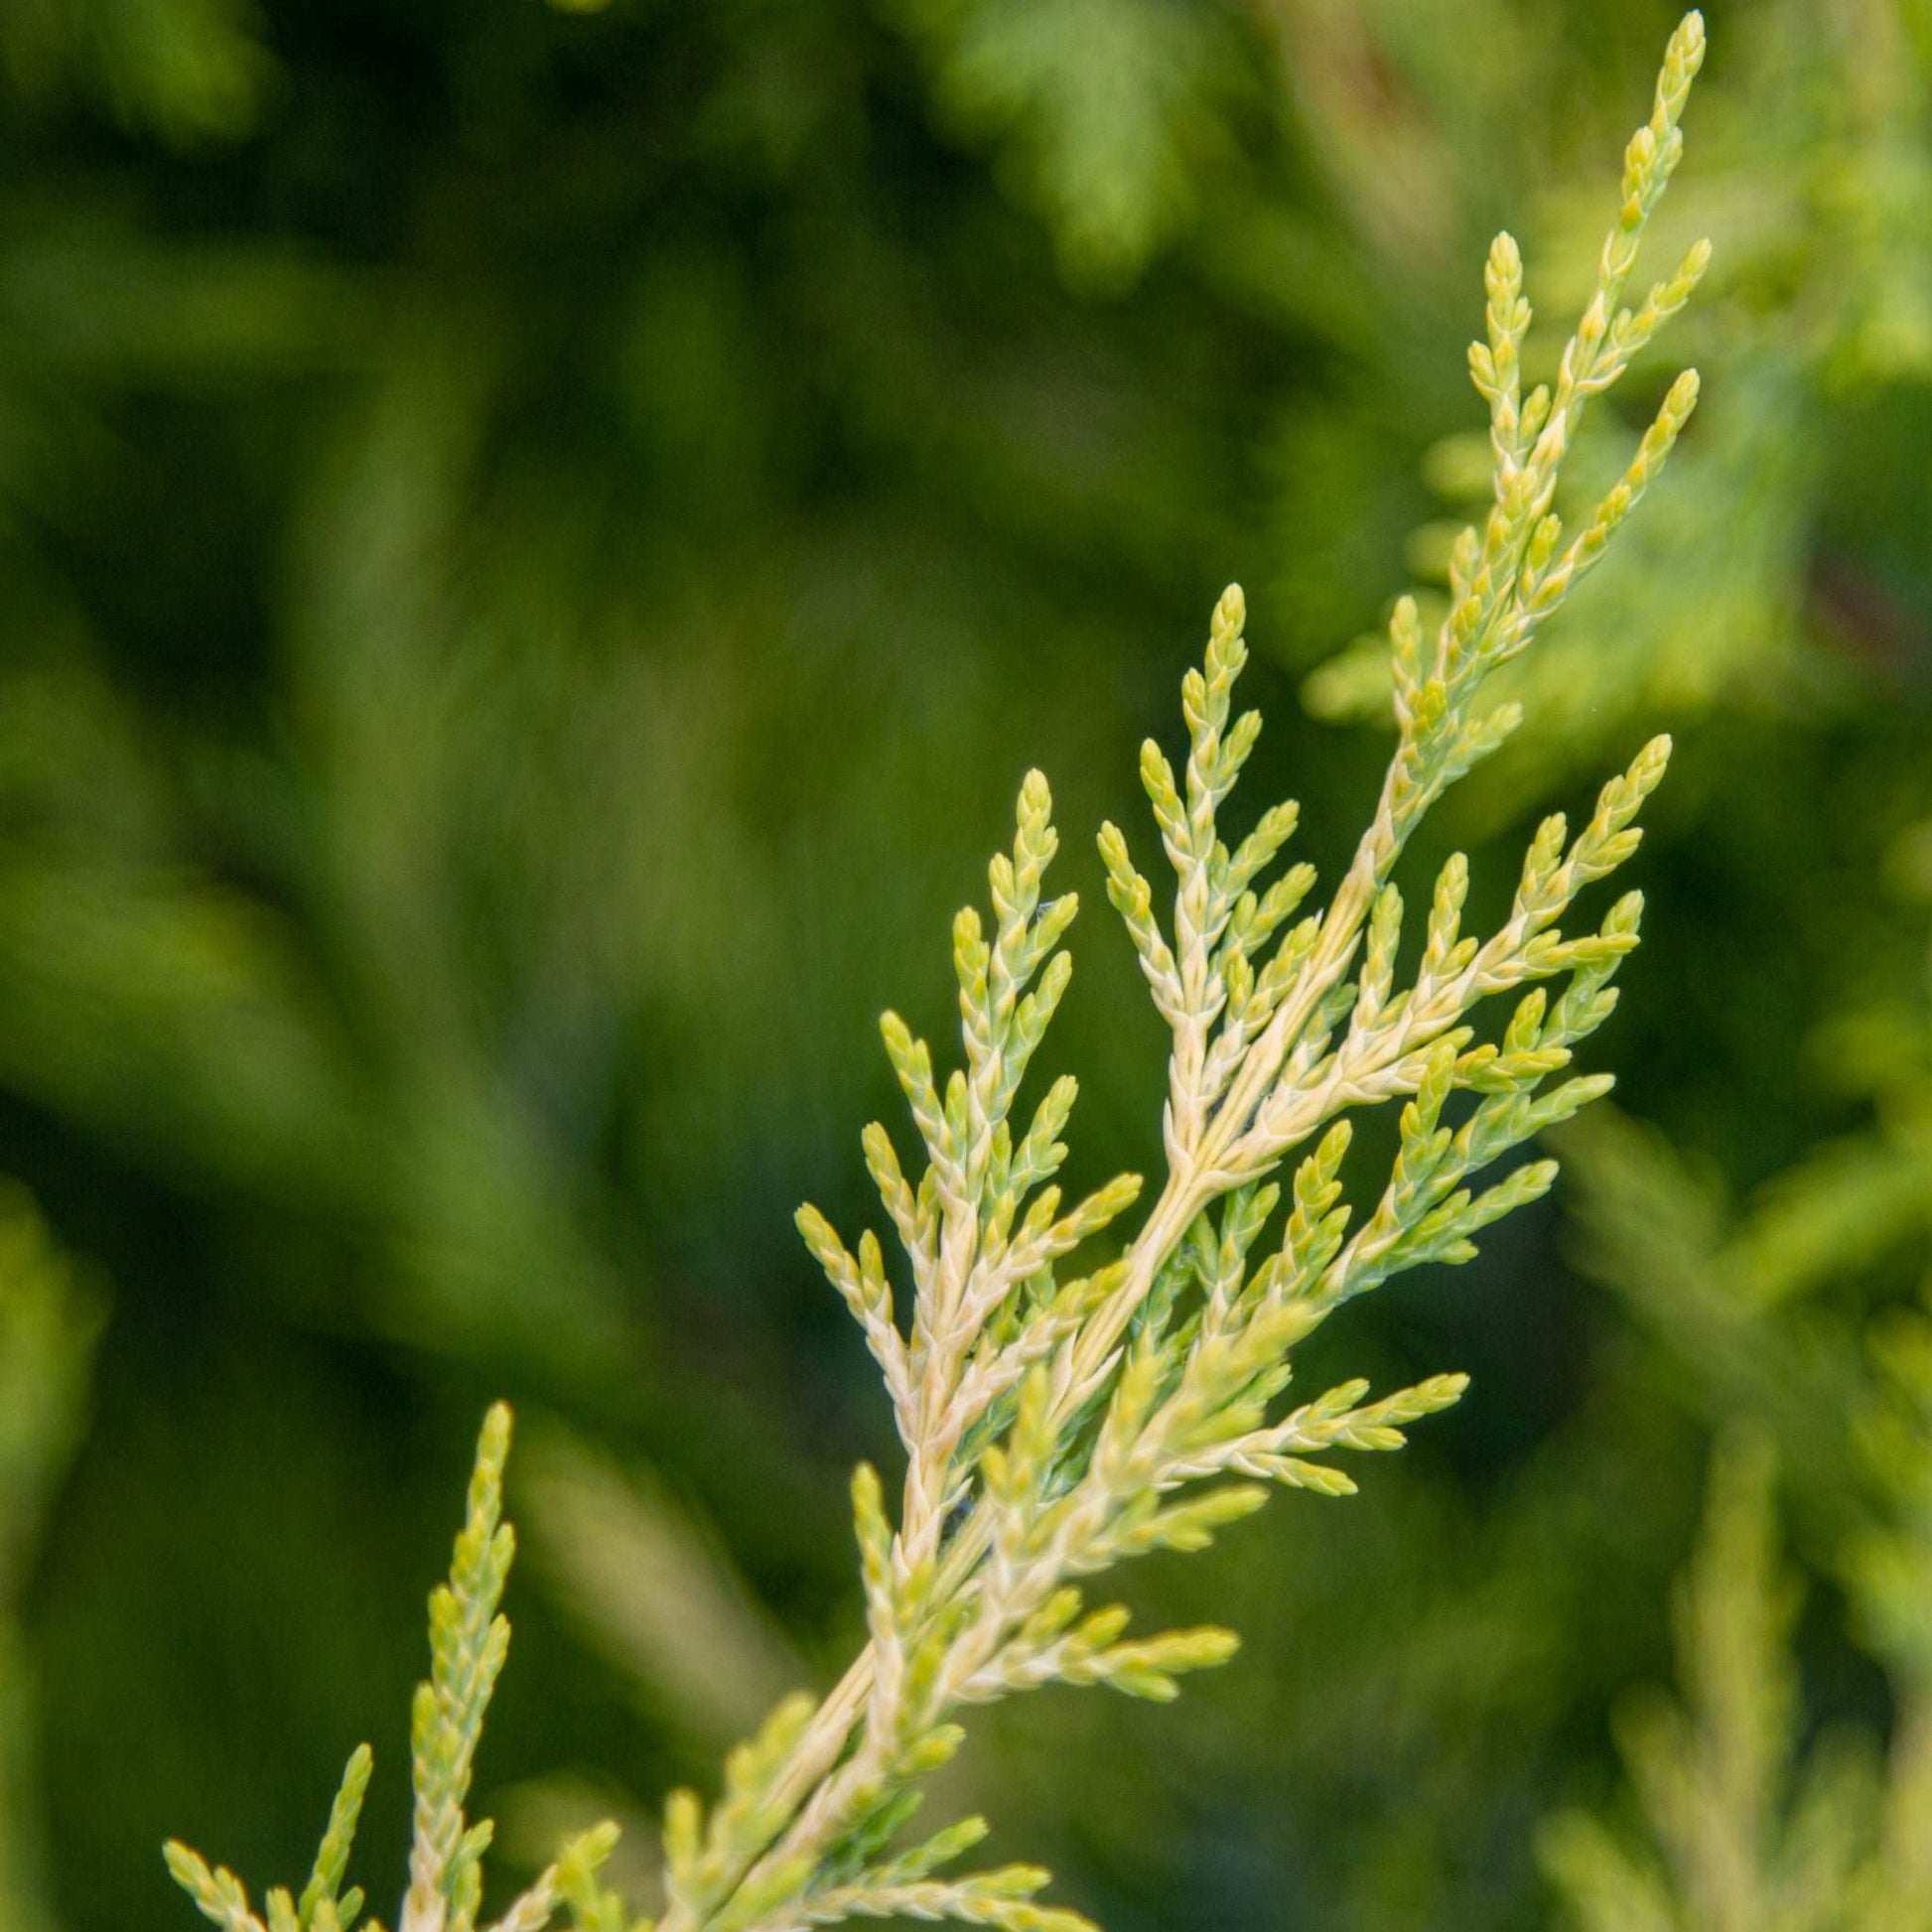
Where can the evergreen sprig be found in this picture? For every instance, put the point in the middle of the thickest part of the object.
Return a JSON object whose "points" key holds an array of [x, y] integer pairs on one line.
{"points": [[1060, 1419], [468, 1640], [1755, 1308], [1742, 1828], [1740, 1841], [1052, 1425]]}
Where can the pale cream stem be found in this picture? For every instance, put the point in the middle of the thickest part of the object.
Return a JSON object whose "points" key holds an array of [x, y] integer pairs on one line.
{"points": [[1188, 1188], [806, 1780]]}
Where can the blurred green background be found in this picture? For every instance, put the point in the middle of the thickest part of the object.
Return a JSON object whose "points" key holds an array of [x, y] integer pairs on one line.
{"points": [[537, 545]]}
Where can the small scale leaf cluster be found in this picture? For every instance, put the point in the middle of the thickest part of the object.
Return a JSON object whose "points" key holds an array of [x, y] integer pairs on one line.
{"points": [[323, 1907], [468, 1640], [1509, 572]]}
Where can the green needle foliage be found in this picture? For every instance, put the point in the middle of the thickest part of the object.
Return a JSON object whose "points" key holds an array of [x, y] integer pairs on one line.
{"points": [[1748, 1301], [1886, 1568], [1743, 1839], [1743, 1832], [1106, 114], [1068, 1402], [1752, 1306]]}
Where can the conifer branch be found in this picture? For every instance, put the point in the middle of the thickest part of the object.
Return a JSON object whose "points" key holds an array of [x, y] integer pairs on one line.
{"points": [[1065, 1407], [1047, 1422]]}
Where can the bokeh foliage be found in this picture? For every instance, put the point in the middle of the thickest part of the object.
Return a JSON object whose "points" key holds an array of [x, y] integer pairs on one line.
{"points": [[538, 545]]}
